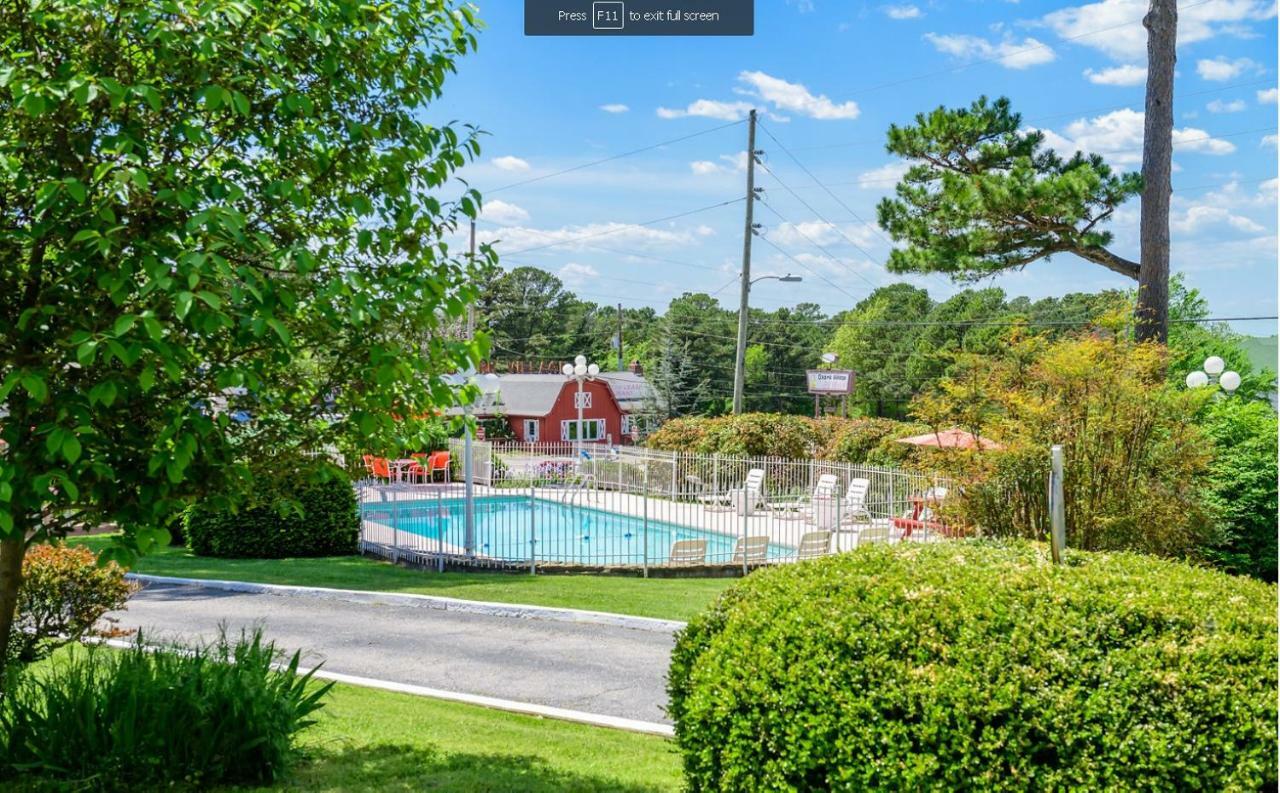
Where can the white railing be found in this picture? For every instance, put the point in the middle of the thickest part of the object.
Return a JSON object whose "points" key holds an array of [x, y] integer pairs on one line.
{"points": [[540, 505]]}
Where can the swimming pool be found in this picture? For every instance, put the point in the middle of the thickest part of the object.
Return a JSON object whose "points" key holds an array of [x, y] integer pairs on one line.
{"points": [[562, 533]]}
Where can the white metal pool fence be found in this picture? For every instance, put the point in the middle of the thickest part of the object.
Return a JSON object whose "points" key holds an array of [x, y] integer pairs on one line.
{"points": [[547, 505]]}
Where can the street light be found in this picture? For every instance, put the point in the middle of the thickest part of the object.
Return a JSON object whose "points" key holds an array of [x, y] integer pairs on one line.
{"points": [[740, 360], [581, 371], [1213, 373], [488, 385]]}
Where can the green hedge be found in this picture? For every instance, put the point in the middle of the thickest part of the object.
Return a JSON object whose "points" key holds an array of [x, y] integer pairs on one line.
{"points": [[980, 666], [291, 516]]}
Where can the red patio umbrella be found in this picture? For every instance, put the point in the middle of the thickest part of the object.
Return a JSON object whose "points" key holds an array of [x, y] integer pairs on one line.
{"points": [[954, 438]]}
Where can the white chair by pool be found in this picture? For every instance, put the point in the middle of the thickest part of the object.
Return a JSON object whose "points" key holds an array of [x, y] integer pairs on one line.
{"points": [[855, 502], [688, 552], [814, 544], [801, 507], [750, 495], [754, 549]]}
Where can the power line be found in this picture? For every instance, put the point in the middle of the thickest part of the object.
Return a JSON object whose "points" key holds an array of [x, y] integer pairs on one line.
{"points": [[620, 228], [814, 242], [828, 281], [612, 158]]}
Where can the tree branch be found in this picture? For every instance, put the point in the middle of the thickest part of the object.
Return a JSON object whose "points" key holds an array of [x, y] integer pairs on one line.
{"points": [[1109, 260]]}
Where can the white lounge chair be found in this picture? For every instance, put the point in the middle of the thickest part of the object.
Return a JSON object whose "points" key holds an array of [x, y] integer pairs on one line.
{"points": [[750, 495], [688, 552], [814, 544], [876, 531], [825, 487], [754, 549], [854, 508]]}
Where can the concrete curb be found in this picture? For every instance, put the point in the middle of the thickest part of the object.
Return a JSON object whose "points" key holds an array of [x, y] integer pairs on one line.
{"points": [[494, 703], [487, 608]]}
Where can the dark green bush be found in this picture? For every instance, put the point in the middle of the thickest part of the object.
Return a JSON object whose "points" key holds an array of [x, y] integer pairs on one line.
{"points": [[309, 513], [191, 717], [980, 666], [1241, 487]]}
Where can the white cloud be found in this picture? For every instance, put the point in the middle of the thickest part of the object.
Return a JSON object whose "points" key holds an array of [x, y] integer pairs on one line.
{"points": [[1118, 137], [905, 11], [1269, 140], [884, 177], [795, 97], [614, 107], [708, 108], [1114, 26], [1219, 106], [1117, 75], [1267, 97], [576, 275], [509, 163], [820, 232], [1219, 69], [1009, 53], [1200, 216], [499, 211], [781, 94], [728, 163], [516, 238]]}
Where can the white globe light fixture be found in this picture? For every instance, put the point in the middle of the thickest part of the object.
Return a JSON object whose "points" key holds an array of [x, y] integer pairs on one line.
{"points": [[1214, 374], [580, 371]]}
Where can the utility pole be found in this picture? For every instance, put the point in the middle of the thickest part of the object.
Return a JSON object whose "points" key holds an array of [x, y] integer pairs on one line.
{"points": [[621, 365], [740, 361], [471, 307]]}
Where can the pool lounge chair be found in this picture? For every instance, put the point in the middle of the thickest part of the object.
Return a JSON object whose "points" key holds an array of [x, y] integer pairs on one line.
{"points": [[688, 552], [855, 502], [741, 499], [814, 544], [876, 531], [825, 487], [755, 549]]}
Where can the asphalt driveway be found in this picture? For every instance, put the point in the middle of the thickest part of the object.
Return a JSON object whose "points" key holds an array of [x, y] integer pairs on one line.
{"points": [[598, 669]]}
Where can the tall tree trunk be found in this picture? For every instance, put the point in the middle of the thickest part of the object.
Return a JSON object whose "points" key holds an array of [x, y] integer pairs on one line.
{"points": [[11, 553], [1152, 312]]}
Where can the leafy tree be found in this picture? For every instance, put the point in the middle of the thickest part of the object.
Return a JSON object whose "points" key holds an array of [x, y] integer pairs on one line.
{"points": [[701, 337], [957, 325], [221, 231], [869, 343], [790, 341], [984, 196], [530, 315], [1240, 487], [1133, 449]]}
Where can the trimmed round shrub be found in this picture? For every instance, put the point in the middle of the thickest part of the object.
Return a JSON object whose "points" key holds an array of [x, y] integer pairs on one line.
{"points": [[306, 515], [980, 666]]}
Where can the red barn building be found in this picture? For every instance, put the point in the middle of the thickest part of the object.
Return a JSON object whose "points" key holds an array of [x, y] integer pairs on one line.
{"points": [[542, 408]]}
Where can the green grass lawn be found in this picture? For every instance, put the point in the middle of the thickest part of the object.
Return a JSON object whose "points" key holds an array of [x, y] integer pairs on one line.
{"points": [[666, 598], [375, 740]]}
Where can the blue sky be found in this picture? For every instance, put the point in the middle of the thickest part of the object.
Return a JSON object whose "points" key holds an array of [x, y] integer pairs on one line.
{"points": [[829, 76]]}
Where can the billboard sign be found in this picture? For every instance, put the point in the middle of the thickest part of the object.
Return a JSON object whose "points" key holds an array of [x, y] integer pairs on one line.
{"points": [[830, 381]]}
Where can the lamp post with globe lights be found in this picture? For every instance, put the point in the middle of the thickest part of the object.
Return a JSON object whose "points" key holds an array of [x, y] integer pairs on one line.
{"points": [[1213, 374], [488, 385], [580, 371]]}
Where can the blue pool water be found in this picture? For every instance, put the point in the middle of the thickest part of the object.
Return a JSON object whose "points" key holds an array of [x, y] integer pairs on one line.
{"points": [[567, 533]]}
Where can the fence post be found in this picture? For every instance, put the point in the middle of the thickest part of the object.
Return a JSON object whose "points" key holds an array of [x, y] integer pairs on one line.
{"points": [[675, 465], [1057, 507], [394, 531], [715, 473], [533, 539], [440, 534], [645, 539]]}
